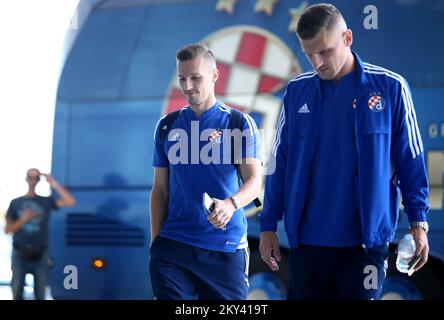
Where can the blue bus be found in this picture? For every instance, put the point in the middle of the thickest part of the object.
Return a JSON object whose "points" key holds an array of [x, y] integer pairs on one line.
{"points": [[119, 79]]}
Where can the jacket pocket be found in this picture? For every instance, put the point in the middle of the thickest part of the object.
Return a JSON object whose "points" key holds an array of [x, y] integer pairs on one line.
{"points": [[394, 200], [372, 125], [357, 193]]}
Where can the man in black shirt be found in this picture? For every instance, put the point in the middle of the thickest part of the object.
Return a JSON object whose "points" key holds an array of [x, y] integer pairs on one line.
{"points": [[27, 218]]}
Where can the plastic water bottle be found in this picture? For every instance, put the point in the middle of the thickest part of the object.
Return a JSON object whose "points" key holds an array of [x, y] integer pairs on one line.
{"points": [[406, 252]]}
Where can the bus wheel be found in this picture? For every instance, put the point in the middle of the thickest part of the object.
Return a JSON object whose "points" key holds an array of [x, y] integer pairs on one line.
{"points": [[422, 285], [266, 284]]}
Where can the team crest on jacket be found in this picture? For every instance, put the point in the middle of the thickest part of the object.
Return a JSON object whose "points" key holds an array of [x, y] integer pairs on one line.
{"points": [[376, 103], [215, 136]]}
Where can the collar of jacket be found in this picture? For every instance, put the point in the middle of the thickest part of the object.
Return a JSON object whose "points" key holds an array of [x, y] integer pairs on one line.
{"points": [[365, 84]]}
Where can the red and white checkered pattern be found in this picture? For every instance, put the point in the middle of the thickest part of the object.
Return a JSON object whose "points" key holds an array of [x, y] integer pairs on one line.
{"points": [[373, 102], [253, 64], [215, 135]]}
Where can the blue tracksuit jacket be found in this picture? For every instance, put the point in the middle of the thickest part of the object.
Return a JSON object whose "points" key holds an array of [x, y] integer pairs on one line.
{"points": [[389, 147]]}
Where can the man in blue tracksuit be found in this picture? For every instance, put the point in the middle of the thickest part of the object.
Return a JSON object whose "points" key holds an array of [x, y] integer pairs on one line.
{"points": [[195, 254], [347, 140]]}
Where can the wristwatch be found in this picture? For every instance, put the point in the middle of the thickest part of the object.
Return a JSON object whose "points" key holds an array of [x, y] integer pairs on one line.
{"points": [[234, 202], [422, 224]]}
